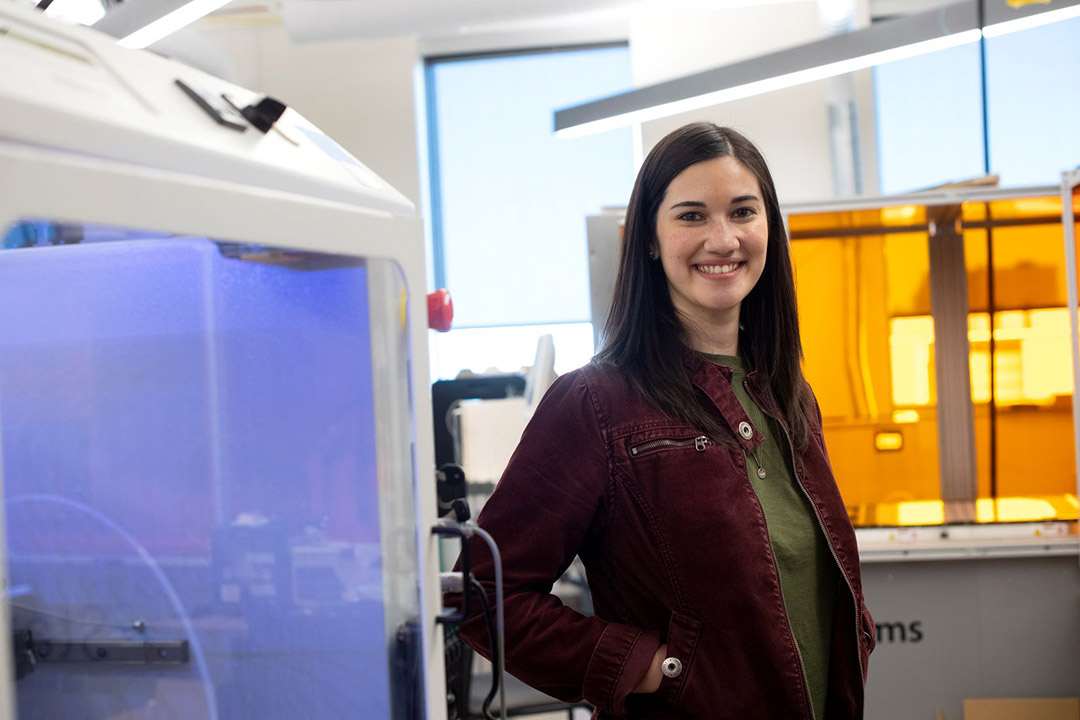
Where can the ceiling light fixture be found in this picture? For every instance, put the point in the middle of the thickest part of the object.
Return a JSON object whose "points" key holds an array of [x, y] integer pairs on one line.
{"points": [[759, 87], [139, 23], [951, 26]]}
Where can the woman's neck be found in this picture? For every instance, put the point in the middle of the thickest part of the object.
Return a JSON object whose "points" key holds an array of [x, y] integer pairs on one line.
{"points": [[714, 338]]}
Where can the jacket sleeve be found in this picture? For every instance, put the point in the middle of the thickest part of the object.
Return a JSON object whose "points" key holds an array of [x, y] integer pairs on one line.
{"points": [[540, 515]]}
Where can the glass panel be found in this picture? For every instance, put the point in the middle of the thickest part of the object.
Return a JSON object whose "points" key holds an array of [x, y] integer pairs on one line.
{"points": [[196, 455], [863, 280], [1021, 375], [869, 340], [511, 197], [929, 119], [1033, 101]]}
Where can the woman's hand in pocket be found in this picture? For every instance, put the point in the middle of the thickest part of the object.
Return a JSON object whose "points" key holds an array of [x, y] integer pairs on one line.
{"points": [[651, 682]]}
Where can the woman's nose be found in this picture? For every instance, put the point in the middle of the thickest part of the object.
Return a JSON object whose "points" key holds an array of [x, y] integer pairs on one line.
{"points": [[721, 238]]}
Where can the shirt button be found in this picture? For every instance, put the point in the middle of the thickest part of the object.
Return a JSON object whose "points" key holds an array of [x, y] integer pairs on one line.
{"points": [[671, 667], [745, 430]]}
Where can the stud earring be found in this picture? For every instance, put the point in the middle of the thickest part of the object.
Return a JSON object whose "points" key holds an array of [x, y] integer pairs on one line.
{"points": [[653, 255]]}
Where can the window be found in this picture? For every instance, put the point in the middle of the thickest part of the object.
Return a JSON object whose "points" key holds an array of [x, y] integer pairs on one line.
{"points": [[1034, 102], [929, 119], [929, 111], [509, 201]]}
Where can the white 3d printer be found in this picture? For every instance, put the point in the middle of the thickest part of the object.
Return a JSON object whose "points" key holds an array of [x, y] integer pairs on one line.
{"points": [[214, 413]]}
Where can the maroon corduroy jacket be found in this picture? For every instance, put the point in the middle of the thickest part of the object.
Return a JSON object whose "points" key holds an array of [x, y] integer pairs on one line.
{"points": [[674, 542]]}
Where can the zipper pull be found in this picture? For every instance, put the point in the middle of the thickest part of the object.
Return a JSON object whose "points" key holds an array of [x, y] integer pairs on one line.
{"points": [[700, 442]]}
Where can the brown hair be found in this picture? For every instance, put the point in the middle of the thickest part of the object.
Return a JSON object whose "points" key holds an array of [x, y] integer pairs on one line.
{"points": [[643, 337]]}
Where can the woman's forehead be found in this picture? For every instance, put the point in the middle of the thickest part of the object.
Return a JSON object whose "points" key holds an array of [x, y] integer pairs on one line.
{"points": [[719, 178]]}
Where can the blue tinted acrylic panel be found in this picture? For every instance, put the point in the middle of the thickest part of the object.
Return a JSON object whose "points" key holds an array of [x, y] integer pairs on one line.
{"points": [[189, 445]]}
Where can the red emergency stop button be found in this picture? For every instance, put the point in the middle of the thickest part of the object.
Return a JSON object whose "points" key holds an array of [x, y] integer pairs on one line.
{"points": [[440, 310]]}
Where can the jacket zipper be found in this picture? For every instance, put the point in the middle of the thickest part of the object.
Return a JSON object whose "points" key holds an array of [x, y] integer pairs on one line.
{"points": [[828, 542], [699, 443], [780, 582]]}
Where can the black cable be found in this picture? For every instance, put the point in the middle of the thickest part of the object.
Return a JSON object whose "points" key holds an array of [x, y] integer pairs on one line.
{"points": [[486, 605], [44, 5]]}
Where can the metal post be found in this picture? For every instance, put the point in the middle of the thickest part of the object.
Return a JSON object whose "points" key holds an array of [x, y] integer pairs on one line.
{"points": [[1069, 183], [956, 422]]}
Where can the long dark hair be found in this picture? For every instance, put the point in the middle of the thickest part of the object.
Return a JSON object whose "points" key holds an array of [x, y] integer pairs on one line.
{"points": [[643, 337]]}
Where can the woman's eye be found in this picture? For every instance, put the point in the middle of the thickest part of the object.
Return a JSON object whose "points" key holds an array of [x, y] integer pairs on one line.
{"points": [[690, 216], [745, 212]]}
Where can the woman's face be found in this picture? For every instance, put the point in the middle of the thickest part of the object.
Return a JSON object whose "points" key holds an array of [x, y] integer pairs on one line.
{"points": [[712, 233]]}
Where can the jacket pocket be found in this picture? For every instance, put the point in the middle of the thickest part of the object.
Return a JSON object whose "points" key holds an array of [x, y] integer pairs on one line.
{"points": [[645, 447], [683, 635]]}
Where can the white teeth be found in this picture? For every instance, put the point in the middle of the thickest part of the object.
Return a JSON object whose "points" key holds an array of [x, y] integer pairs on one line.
{"points": [[718, 269]]}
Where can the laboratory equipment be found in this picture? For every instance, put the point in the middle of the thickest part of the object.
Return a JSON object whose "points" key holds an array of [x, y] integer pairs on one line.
{"points": [[215, 429], [936, 335]]}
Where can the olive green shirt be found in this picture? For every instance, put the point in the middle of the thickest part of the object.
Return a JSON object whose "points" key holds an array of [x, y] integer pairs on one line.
{"points": [[808, 572]]}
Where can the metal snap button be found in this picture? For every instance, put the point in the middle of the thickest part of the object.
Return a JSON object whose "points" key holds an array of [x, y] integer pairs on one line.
{"points": [[671, 667], [745, 430]]}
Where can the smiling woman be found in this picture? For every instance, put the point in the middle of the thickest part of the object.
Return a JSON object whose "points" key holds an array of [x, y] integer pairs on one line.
{"points": [[686, 467]]}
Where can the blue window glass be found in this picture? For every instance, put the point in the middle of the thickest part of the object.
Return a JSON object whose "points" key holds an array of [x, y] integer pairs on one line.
{"points": [[509, 198], [1034, 103], [929, 119]]}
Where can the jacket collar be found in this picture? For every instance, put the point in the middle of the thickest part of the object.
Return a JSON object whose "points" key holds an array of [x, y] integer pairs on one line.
{"points": [[715, 381]]}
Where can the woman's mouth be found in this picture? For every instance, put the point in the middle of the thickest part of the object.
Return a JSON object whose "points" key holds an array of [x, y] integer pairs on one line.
{"points": [[716, 270]]}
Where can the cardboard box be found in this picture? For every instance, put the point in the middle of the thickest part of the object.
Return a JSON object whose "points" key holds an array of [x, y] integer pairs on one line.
{"points": [[1022, 709]]}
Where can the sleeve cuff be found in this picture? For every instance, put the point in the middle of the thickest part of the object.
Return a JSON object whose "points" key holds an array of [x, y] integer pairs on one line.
{"points": [[619, 662]]}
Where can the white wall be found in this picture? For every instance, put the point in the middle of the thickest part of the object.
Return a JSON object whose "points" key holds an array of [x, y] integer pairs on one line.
{"points": [[668, 45], [791, 129]]}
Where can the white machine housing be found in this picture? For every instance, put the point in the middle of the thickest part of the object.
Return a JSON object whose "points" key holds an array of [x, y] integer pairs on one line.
{"points": [[93, 133]]}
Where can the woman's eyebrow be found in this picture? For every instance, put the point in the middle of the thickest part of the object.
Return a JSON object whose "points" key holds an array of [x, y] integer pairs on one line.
{"points": [[745, 198], [687, 203]]}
